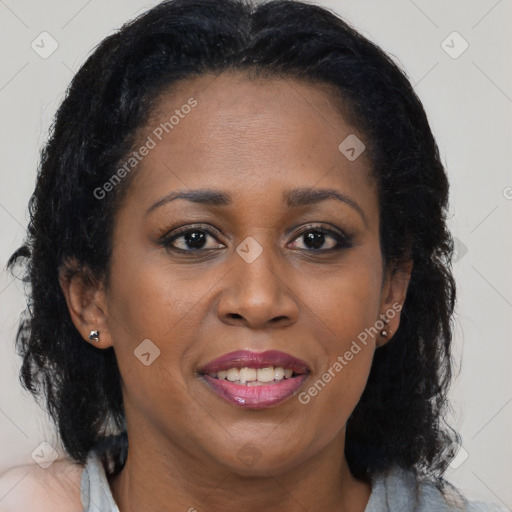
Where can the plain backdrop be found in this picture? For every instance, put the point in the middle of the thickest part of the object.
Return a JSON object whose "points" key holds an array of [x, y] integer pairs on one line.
{"points": [[467, 93]]}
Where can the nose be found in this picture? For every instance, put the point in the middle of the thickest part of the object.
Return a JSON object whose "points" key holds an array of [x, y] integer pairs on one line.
{"points": [[258, 294]]}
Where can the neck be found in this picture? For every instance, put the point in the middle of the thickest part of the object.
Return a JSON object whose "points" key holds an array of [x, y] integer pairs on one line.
{"points": [[158, 476]]}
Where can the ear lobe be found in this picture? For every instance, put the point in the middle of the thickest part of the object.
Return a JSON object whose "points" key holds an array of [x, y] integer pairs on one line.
{"points": [[86, 300], [394, 293]]}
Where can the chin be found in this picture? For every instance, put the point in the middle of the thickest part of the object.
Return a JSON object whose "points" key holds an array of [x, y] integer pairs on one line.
{"points": [[260, 459]]}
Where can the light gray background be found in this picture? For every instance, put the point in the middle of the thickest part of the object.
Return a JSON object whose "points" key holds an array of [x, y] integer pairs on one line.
{"points": [[468, 100]]}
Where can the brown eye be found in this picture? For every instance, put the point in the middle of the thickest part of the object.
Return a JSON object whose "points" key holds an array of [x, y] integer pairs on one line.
{"points": [[191, 240], [322, 239]]}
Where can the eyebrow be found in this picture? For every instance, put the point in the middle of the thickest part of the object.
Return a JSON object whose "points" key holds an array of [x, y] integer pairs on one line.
{"points": [[294, 198]]}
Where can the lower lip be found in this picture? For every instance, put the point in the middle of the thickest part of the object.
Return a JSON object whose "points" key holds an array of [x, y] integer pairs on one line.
{"points": [[255, 397]]}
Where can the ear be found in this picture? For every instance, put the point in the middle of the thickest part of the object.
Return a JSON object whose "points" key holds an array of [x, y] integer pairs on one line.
{"points": [[394, 291], [87, 302]]}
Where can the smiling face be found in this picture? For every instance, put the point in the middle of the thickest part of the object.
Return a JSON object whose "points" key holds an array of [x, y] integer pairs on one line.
{"points": [[272, 246]]}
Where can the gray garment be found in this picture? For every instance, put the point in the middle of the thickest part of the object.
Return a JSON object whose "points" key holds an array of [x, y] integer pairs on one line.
{"points": [[94, 489], [398, 491]]}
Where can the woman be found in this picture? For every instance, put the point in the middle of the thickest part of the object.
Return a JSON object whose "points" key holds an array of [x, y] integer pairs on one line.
{"points": [[240, 272]]}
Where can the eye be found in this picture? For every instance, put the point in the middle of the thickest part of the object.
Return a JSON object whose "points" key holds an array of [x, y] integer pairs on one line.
{"points": [[321, 239], [191, 240], [201, 239]]}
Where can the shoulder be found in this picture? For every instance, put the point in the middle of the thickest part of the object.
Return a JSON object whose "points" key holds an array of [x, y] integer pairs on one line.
{"points": [[480, 506], [456, 501], [401, 489], [30, 487]]}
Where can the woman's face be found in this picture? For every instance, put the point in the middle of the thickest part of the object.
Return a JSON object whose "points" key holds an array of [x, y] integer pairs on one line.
{"points": [[259, 261]]}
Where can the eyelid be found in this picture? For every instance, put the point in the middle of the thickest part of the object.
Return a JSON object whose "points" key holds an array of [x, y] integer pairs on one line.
{"points": [[170, 234], [343, 240], [320, 226]]}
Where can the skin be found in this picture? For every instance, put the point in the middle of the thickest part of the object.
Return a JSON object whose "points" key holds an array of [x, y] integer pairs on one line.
{"points": [[30, 487], [253, 139]]}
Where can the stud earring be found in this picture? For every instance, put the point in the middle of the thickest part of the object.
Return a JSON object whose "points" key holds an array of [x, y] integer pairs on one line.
{"points": [[385, 333], [94, 336]]}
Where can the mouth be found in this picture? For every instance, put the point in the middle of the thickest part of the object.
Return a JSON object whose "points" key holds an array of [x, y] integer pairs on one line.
{"points": [[255, 380]]}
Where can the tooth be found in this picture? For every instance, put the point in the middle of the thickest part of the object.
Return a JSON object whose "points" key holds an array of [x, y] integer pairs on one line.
{"points": [[278, 373], [266, 374], [251, 376], [247, 375], [233, 374]]}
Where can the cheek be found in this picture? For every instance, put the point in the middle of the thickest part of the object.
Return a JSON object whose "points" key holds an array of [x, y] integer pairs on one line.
{"points": [[346, 298], [346, 309], [153, 320], [155, 301], [335, 388]]}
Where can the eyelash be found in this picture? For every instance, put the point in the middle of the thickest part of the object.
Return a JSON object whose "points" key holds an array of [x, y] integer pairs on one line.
{"points": [[342, 241]]}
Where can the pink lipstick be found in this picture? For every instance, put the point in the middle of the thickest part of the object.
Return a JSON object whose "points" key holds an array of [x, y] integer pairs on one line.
{"points": [[255, 380]]}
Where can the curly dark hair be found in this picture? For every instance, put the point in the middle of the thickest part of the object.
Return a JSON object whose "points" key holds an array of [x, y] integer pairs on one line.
{"points": [[400, 419]]}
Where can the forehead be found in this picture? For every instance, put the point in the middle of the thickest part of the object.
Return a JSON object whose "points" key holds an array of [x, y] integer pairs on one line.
{"points": [[251, 136]]}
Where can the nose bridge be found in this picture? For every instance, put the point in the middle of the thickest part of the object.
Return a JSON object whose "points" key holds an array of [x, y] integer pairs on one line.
{"points": [[256, 292], [255, 268]]}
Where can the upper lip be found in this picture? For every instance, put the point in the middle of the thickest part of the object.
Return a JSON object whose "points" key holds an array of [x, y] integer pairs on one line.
{"points": [[251, 359]]}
